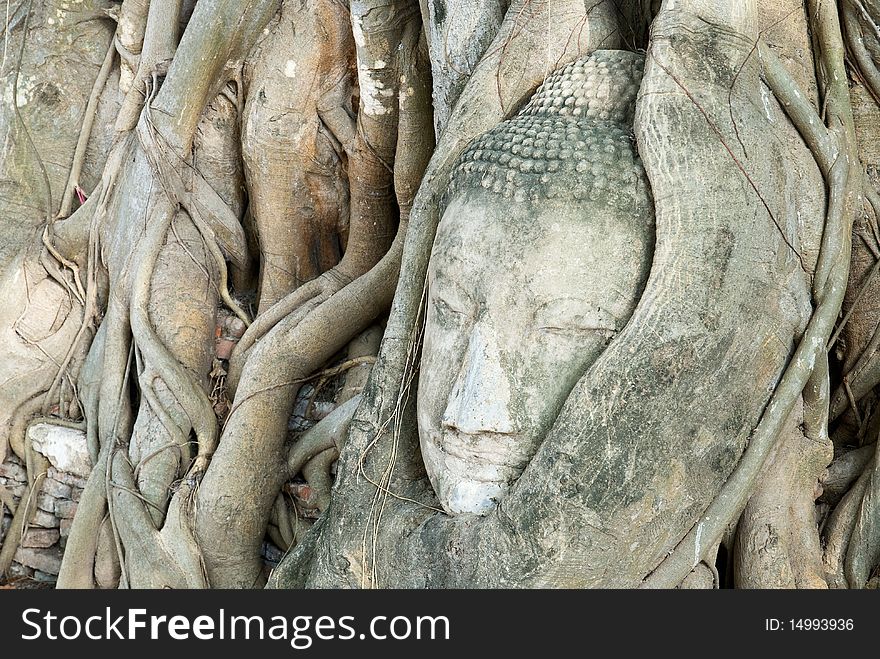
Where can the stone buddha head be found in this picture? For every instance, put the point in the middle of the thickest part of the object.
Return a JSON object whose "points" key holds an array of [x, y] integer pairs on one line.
{"points": [[541, 255]]}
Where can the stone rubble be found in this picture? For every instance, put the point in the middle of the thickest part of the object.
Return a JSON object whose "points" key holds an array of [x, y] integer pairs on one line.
{"points": [[39, 554]]}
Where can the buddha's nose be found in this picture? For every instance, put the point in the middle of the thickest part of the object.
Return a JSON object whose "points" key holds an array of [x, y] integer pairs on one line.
{"points": [[480, 398]]}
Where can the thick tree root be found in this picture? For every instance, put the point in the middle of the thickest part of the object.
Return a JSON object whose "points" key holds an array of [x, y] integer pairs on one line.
{"points": [[833, 150]]}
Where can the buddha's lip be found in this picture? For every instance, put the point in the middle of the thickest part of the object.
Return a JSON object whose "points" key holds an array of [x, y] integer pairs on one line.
{"points": [[452, 442]]}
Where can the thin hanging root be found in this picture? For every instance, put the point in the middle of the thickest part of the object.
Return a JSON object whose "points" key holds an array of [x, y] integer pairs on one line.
{"points": [[220, 260], [90, 310], [167, 558], [174, 185], [333, 371], [130, 521], [145, 381], [187, 392], [383, 492], [79, 155], [859, 294], [47, 239], [369, 576], [179, 381], [76, 290], [152, 454], [865, 370], [852, 402], [137, 495], [114, 442], [365, 345], [867, 70], [829, 147]]}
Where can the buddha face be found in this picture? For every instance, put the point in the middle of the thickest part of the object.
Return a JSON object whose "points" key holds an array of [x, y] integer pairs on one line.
{"points": [[522, 299]]}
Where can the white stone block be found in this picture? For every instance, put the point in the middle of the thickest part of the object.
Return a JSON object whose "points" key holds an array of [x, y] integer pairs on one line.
{"points": [[64, 447]]}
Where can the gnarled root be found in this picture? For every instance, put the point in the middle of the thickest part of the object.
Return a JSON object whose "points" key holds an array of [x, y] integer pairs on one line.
{"points": [[166, 224], [299, 333]]}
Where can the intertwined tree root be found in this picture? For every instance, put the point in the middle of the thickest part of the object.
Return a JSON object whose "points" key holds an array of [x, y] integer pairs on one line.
{"points": [[276, 160]]}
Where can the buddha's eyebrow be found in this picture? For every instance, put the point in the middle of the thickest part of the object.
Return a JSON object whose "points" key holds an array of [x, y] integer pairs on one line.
{"points": [[580, 302], [450, 285], [451, 262]]}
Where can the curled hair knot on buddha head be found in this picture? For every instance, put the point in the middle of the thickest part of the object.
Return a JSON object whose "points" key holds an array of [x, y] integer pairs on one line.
{"points": [[572, 141]]}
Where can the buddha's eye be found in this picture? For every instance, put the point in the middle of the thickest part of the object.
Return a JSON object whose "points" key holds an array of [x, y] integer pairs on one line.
{"points": [[445, 308], [451, 302], [570, 317]]}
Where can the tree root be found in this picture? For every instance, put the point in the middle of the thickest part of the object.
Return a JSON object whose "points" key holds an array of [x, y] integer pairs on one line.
{"points": [[297, 144], [844, 471], [159, 44], [129, 39], [317, 475], [365, 345], [85, 134], [161, 183], [328, 433], [829, 286], [851, 11], [777, 541], [863, 548], [313, 453], [263, 404], [839, 530]]}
